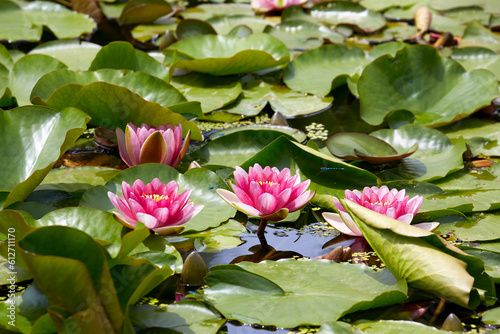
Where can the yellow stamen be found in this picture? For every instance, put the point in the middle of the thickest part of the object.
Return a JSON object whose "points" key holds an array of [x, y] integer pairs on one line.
{"points": [[266, 182], [156, 197]]}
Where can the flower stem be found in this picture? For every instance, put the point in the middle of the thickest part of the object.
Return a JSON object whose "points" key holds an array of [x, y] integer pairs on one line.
{"points": [[260, 234]]}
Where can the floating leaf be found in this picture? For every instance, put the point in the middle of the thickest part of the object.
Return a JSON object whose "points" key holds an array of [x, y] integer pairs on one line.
{"points": [[192, 316], [477, 35], [472, 58], [76, 55], [27, 71], [423, 259], [212, 92], [356, 146], [320, 70], [394, 327], [224, 24], [34, 137], [123, 56], [477, 228], [348, 13], [26, 22], [113, 106], [192, 27], [147, 86], [436, 155], [491, 316], [226, 55], [207, 11], [202, 182], [390, 84], [283, 289]]}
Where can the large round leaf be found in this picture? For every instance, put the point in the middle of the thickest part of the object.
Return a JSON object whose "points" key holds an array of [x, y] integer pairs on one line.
{"points": [[477, 228], [482, 135], [202, 182], [356, 146], [435, 151], [472, 58], [318, 71], [212, 92], [123, 56], [226, 55], [289, 293], [420, 81], [33, 138], [230, 150], [224, 24], [144, 11], [423, 259], [113, 106], [147, 86], [26, 23], [348, 13], [27, 71], [77, 55], [206, 11], [303, 35], [477, 35]]}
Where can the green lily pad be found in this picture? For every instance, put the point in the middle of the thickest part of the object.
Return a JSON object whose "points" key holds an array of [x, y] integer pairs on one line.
{"points": [[147, 86], [212, 92], [379, 5], [394, 327], [328, 174], [482, 227], [183, 317], [202, 181], [482, 135], [27, 71], [423, 259], [491, 261], [446, 24], [224, 24], [144, 11], [491, 316], [303, 35], [192, 27], [390, 84], [76, 55], [26, 22], [207, 11], [477, 35], [320, 70], [77, 179], [283, 288], [356, 146], [113, 106], [298, 135], [234, 148], [123, 56], [436, 155], [472, 58], [227, 55], [225, 236], [348, 13], [36, 151]]}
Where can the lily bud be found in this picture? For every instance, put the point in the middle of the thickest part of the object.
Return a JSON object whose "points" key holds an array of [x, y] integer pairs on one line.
{"points": [[452, 324], [194, 270]]}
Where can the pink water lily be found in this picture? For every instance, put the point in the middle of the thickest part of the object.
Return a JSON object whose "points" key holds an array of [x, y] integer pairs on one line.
{"points": [[267, 193], [155, 204], [392, 203], [143, 144], [264, 6]]}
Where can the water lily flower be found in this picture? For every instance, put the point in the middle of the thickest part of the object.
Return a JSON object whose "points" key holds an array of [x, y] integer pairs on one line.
{"points": [[267, 193], [161, 144], [155, 204], [392, 203], [264, 6]]}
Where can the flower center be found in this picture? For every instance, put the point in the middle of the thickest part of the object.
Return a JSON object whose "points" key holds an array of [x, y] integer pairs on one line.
{"points": [[270, 183], [156, 197]]}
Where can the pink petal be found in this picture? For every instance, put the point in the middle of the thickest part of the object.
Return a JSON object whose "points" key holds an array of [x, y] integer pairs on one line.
{"points": [[243, 196], [133, 145], [241, 178], [336, 222], [300, 201], [121, 205], [414, 204], [162, 215], [187, 213], [148, 220], [183, 150], [122, 146], [266, 203], [125, 221]]}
